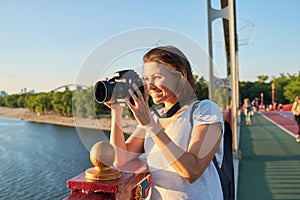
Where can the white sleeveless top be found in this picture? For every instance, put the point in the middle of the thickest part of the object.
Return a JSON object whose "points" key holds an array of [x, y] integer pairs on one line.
{"points": [[166, 183]]}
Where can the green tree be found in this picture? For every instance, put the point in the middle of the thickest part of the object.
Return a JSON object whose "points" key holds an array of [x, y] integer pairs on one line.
{"points": [[84, 105], [90, 103], [66, 100], [79, 101], [57, 103], [11, 101], [100, 108], [262, 78], [43, 102], [280, 83], [253, 90], [30, 102], [201, 87], [2, 103], [21, 101], [292, 89], [248, 89]]}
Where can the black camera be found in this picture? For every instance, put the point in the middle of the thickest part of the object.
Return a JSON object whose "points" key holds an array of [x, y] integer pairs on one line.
{"points": [[117, 87]]}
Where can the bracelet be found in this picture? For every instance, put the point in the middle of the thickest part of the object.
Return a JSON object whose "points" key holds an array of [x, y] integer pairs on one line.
{"points": [[153, 128]]}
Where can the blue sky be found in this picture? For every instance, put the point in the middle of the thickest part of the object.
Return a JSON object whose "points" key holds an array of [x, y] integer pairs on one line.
{"points": [[43, 43]]}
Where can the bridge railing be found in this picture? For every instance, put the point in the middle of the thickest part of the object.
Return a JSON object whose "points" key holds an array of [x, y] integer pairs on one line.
{"points": [[128, 186]]}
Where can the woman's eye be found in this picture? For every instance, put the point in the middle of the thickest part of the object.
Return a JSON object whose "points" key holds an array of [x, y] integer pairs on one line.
{"points": [[153, 79], [146, 79], [156, 78]]}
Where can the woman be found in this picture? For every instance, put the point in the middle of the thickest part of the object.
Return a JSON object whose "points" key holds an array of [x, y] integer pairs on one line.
{"points": [[179, 156], [296, 112]]}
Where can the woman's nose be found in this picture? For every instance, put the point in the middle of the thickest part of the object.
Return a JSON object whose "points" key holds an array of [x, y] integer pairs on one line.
{"points": [[151, 81], [151, 85]]}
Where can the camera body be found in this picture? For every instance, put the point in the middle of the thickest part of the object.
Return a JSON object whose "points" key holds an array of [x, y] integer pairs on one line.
{"points": [[116, 88]]}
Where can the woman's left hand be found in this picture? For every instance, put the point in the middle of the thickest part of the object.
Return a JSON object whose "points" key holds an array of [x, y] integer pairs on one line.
{"points": [[140, 108]]}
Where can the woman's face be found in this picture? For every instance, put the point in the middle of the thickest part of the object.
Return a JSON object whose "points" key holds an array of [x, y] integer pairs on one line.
{"points": [[161, 82]]}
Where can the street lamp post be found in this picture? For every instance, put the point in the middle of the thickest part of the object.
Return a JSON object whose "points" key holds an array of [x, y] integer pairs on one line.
{"points": [[262, 101], [273, 95]]}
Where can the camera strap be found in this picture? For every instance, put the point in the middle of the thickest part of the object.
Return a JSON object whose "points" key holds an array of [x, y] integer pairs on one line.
{"points": [[171, 111]]}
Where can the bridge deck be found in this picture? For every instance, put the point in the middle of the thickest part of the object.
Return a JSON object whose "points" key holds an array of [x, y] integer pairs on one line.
{"points": [[270, 164]]}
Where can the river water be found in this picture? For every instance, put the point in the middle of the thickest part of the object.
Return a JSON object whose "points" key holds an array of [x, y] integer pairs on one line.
{"points": [[38, 159]]}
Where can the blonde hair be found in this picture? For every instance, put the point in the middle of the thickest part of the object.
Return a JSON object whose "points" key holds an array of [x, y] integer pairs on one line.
{"points": [[173, 58]]}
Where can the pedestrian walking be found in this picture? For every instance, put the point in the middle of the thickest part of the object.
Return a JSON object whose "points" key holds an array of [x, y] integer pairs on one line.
{"points": [[247, 111], [296, 112]]}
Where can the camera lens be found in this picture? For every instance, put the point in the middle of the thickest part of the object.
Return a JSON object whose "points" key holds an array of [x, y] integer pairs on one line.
{"points": [[117, 87], [103, 91]]}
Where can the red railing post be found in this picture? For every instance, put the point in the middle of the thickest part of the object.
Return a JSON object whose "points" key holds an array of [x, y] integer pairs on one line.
{"points": [[126, 187]]}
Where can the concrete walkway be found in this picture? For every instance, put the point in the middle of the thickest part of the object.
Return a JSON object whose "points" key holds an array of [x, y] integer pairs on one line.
{"points": [[270, 163]]}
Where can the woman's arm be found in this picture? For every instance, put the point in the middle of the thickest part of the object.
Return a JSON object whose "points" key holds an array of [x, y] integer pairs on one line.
{"points": [[189, 164], [192, 163], [133, 146]]}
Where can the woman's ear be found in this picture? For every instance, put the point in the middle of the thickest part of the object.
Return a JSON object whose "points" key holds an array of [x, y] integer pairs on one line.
{"points": [[183, 75]]}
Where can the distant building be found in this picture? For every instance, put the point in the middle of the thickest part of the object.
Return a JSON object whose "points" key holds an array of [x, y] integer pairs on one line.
{"points": [[25, 91], [31, 92], [3, 93]]}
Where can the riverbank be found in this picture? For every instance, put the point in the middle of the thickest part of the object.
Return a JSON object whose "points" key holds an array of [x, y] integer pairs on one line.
{"points": [[103, 123]]}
